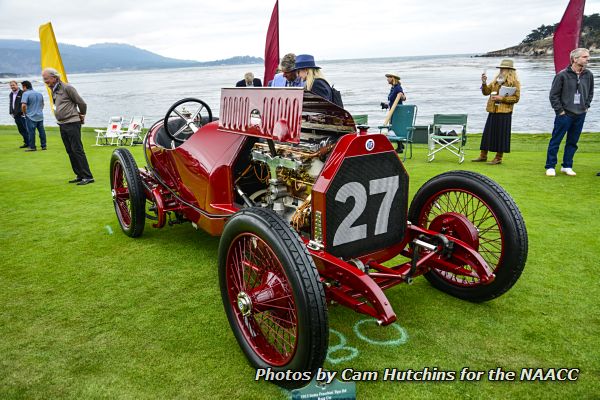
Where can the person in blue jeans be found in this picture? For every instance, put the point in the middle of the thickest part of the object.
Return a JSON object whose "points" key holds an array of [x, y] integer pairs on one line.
{"points": [[570, 96], [32, 104]]}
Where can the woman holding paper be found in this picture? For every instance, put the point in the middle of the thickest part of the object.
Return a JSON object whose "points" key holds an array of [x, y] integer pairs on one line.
{"points": [[504, 92]]}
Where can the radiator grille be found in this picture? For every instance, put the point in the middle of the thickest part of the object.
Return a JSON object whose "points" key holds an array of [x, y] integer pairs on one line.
{"points": [[366, 205]]}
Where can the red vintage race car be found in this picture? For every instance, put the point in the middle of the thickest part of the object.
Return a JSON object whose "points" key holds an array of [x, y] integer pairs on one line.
{"points": [[309, 208]]}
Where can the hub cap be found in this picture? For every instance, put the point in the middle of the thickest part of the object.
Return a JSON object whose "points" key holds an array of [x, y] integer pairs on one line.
{"points": [[458, 226], [244, 304], [465, 216]]}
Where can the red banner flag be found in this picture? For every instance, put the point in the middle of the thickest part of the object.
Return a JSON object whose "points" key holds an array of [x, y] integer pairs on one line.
{"points": [[566, 35], [272, 46]]}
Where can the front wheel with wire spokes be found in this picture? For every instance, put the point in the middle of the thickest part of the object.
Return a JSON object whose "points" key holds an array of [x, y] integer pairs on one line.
{"points": [[476, 210], [127, 192], [272, 294]]}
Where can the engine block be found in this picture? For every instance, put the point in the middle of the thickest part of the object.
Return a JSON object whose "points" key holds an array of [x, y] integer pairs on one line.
{"points": [[293, 171]]}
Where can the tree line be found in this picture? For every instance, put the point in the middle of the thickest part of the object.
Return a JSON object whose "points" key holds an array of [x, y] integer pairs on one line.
{"points": [[591, 27]]}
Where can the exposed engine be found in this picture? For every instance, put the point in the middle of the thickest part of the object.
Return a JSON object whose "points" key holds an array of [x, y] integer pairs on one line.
{"points": [[290, 175]]}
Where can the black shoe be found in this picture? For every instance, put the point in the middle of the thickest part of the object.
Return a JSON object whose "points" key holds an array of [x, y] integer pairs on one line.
{"points": [[598, 174], [44, 148], [75, 180], [85, 181], [31, 150], [23, 147]]}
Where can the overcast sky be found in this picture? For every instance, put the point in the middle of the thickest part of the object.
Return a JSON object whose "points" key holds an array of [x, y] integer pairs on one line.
{"points": [[329, 29]]}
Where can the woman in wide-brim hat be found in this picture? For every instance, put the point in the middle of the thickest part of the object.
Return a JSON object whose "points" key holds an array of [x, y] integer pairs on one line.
{"points": [[312, 76], [396, 96], [496, 134], [396, 89]]}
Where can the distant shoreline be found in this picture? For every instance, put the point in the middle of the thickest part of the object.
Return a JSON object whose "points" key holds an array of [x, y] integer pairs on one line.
{"points": [[151, 93], [10, 75], [4, 77]]}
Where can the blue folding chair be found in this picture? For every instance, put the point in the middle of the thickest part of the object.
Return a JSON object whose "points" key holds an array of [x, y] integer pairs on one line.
{"points": [[402, 126]]}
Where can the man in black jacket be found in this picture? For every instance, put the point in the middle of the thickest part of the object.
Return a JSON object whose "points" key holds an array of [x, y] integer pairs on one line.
{"points": [[249, 81], [570, 96], [14, 109]]}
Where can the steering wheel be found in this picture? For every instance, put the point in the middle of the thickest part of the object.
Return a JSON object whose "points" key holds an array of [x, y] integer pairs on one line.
{"points": [[180, 120]]}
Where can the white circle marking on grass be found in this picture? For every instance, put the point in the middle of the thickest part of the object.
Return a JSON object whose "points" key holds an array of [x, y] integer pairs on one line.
{"points": [[341, 346], [392, 342]]}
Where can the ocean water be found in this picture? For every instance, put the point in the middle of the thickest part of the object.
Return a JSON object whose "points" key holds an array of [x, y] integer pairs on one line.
{"points": [[436, 84]]}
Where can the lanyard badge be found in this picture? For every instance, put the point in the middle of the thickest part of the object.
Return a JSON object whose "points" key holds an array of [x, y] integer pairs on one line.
{"points": [[577, 97]]}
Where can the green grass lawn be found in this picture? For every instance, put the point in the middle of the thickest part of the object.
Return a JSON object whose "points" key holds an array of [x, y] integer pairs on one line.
{"points": [[86, 312]]}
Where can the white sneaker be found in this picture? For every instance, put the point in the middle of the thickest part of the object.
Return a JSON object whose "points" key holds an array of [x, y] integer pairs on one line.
{"points": [[550, 172], [568, 171]]}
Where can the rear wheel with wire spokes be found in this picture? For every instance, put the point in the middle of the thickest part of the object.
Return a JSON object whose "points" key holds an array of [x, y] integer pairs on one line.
{"points": [[476, 210], [272, 294]]}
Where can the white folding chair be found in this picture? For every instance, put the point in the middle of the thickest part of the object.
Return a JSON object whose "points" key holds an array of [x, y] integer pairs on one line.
{"points": [[110, 135], [133, 134]]}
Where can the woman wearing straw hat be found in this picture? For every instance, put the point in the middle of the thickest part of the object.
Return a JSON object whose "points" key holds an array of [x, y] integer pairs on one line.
{"points": [[312, 76], [396, 92], [496, 134], [395, 98]]}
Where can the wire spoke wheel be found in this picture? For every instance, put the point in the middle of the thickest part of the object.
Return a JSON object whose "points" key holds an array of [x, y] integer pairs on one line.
{"points": [[476, 210], [262, 298], [127, 193], [272, 294], [120, 194], [482, 220]]}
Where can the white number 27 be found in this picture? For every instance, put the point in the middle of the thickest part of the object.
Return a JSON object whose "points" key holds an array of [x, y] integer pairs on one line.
{"points": [[346, 233]]}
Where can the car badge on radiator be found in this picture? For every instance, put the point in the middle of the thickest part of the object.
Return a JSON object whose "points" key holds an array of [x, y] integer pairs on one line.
{"points": [[255, 118], [370, 144]]}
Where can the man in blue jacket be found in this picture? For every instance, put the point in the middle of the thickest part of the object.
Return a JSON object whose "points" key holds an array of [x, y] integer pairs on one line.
{"points": [[32, 105], [570, 96]]}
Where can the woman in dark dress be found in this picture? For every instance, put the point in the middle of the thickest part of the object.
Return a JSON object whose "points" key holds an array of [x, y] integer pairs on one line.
{"points": [[496, 134]]}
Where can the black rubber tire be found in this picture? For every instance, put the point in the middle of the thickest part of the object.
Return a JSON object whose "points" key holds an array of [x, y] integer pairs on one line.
{"points": [[137, 197], [510, 220], [302, 274]]}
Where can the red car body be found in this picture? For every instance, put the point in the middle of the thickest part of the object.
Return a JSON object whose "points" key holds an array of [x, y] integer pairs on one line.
{"points": [[358, 202]]}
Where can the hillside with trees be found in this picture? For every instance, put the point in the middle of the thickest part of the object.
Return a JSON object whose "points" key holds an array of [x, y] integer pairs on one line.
{"points": [[22, 57], [539, 41]]}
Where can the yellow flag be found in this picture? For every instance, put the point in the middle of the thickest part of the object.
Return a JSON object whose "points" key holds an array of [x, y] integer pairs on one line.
{"points": [[50, 56]]}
